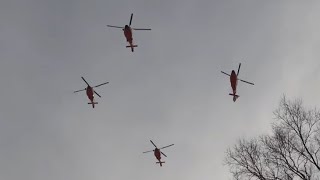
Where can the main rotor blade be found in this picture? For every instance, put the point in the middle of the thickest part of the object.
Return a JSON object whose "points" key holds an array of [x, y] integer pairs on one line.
{"points": [[115, 26], [166, 146], [246, 81], [130, 19], [225, 73], [153, 144], [85, 81], [101, 84], [141, 29], [238, 69], [97, 94], [148, 151], [80, 90], [163, 154]]}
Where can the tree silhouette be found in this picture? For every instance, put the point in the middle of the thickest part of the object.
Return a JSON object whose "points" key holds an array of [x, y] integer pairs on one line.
{"points": [[290, 152]]}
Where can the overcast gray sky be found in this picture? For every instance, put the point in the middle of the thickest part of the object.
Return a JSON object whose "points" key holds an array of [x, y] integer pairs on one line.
{"points": [[169, 90]]}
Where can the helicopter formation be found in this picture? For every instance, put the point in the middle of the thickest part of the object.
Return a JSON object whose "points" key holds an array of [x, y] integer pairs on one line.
{"points": [[127, 30]]}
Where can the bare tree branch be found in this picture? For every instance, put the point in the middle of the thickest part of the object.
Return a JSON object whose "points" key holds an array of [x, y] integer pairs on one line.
{"points": [[291, 151]]}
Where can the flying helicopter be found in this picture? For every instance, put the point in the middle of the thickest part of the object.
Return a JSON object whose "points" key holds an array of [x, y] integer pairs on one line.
{"points": [[127, 30], [90, 92], [234, 82], [157, 152]]}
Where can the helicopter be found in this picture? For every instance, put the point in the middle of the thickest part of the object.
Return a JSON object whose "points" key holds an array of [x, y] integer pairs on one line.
{"points": [[234, 82], [90, 92], [157, 153], [127, 30]]}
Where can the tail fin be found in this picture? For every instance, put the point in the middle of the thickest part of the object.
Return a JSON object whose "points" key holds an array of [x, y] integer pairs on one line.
{"points": [[93, 103], [160, 162], [132, 47], [235, 97]]}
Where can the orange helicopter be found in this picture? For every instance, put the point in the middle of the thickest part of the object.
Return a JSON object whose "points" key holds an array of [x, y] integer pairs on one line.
{"points": [[234, 82], [90, 92], [127, 30], [157, 153]]}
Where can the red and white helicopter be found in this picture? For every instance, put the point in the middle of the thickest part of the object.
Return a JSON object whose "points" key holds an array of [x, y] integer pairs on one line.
{"points": [[234, 82], [127, 30], [90, 92], [157, 152]]}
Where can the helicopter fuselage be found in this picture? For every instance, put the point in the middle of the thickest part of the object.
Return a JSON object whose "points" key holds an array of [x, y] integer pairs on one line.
{"points": [[89, 91], [157, 154], [128, 34], [234, 81]]}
